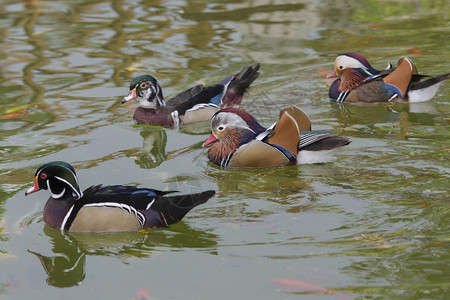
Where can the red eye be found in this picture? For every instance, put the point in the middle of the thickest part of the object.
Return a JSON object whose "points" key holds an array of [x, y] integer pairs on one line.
{"points": [[143, 85], [43, 175]]}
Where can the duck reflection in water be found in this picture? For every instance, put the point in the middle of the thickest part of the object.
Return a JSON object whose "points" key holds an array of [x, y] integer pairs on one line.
{"points": [[394, 119], [153, 152], [66, 266]]}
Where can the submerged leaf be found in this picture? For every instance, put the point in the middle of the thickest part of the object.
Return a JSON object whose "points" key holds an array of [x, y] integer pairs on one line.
{"points": [[301, 286]]}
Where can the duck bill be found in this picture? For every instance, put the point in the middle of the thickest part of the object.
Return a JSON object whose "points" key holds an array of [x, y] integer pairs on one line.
{"points": [[131, 95], [332, 75], [34, 188], [210, 140]]}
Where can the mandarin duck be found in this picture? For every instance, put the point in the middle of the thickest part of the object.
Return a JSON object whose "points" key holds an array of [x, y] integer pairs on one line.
{"points": [[238, 140], [196, 104], [107, 208], [359, 82]]}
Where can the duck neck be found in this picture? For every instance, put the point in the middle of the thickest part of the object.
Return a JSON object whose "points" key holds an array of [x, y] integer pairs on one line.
{"points": [[350, 79], [224, 147], [55, 210]]}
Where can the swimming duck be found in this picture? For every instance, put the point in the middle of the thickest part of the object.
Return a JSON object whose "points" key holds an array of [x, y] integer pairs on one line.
{"points": [[196, 104], [359, 82], [107, 208], [238, 140]]}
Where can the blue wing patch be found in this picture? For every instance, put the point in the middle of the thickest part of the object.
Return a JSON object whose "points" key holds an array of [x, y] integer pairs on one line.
{"points": [[216, 99], [392, 89]]}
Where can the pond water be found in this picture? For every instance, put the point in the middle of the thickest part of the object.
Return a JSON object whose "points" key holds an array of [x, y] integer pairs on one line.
{"points": [[372, 224]]}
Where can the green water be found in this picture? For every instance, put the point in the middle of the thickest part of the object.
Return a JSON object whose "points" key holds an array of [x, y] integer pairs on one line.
{"points": [[372, 224]]}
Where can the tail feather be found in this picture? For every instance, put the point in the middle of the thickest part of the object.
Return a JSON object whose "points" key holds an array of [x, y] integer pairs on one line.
{"points": [[418, 77], [239, 83], [327, 143], [429, 82], [174, 208], [425, 90]]}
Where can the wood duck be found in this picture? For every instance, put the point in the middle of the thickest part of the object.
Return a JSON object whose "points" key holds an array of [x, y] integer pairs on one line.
{"points": [[107, 208], [196, 104], [359, 82], [238, 140]]}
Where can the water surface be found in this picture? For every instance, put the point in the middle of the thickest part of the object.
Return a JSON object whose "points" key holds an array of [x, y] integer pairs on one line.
{"points": [[372, 224]]}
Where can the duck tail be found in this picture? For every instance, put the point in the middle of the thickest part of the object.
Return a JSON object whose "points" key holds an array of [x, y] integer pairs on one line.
{"points": [[425, 90], [319, 147], [236, 85], [319, 141], [172, 209], [431, 81]]}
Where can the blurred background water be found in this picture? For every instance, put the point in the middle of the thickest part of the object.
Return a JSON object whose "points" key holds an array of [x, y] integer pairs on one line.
{"points": [[372, 224]]}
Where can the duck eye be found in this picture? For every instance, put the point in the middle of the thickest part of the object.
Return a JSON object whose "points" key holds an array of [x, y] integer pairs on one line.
{"points": [[43, 175], [143, 85], [341, 67], [220, 128]]}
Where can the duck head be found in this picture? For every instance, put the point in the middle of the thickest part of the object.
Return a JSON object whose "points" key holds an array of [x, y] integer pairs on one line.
{"points": [[147, 89], [231, 128], [59, 177], [352, 69], [351, 60]]}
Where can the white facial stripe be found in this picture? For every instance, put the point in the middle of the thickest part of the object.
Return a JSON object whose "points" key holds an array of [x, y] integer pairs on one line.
{"points": [[232, 120], [143, 102], [79, 194], [57, 196], [76, 180], [160, 101], [349, 62], [75, 176]]}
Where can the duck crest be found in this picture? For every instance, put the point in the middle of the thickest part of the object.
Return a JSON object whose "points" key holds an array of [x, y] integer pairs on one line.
{"points": [[359, 58], [250, 121]]}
